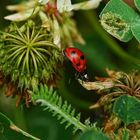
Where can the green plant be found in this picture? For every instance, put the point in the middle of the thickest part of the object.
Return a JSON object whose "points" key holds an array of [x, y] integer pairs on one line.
{"points": [[122, 25], [28, 55], [31, 58]]}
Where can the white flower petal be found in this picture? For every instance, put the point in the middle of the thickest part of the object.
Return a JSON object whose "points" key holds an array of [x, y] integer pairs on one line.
{"points": [[46, 23], [56, 34], [64, 5], [91, 4], [43, 16], [21, 15], [43, 1], [18, 16], [21, 7], [15, 7]]}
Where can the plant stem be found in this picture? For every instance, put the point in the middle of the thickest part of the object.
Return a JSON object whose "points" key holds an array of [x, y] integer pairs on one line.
{"points": [[6, 120], [14, 127], [19, 118], [94, 23]]}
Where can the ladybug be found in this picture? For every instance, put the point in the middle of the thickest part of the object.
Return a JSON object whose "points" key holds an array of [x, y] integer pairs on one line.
{"points": [[78, 60]]}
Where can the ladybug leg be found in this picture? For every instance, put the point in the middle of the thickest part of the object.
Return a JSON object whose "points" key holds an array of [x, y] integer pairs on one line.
{"points": [[77, 75]]}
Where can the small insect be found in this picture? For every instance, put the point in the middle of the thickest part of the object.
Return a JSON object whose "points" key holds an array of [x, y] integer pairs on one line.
{"points": [[78, 60]]}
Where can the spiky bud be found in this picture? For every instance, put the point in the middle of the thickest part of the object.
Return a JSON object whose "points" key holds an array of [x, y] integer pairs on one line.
{"points": [[28, 54]]}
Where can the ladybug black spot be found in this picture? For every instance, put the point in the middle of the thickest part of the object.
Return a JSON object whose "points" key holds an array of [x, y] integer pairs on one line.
{"points": [[82, 57], [78, 64]]}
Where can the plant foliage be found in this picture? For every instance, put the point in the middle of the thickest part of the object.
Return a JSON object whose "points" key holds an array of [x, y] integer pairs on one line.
{"points": [[137, 3], [28, 54], [128, 109], [8, 130], [49, 99], [31, 55], [94, 134], [120, 24]]}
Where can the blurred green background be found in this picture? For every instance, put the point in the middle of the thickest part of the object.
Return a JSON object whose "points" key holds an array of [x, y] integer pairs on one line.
{"points": [[102, 51]]}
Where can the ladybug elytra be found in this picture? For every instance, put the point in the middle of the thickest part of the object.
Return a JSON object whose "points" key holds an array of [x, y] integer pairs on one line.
{"points": [[78, 60]]}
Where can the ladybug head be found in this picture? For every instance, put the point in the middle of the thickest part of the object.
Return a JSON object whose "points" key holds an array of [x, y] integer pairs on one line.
{"points": [[82, 76]]}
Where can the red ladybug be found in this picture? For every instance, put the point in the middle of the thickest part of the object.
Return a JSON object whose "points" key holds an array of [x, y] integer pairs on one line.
{"points": [[78, 60]]}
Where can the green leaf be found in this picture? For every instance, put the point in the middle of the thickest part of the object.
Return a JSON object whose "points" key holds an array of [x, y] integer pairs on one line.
{"points": [[128, 109], [9, 129], [49, 99], [137, 3], [125, 135], [93, 135], [117, 18], [136, 31]]}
